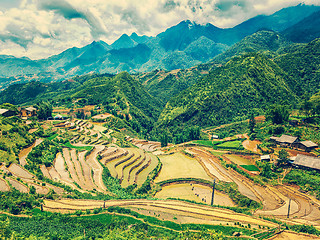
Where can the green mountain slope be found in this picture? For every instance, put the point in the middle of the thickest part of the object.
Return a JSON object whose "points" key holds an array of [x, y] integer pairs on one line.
{"points": [[302, 63], [165, 84], [262, 41], [229, 93], [306, 30]]}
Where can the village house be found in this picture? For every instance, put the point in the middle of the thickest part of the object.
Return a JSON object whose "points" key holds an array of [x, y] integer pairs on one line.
{"points": [[58, 117], [307, 146], [266, 158], [285, 140], [289, 141], [306, 162], [6, 112], [28, 112]]}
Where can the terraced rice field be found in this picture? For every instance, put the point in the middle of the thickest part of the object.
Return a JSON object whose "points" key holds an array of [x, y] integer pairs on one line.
{"points": [[4, 185], [286, 235], [194, 192], [18, 185], [148, 146], [239, 160], [130, 165], [77, 169], [141, 176], [178, 165], [275, 200]]}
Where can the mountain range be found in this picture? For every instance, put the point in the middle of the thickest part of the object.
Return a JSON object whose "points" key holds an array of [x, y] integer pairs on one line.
{"points": [[180, 47]]}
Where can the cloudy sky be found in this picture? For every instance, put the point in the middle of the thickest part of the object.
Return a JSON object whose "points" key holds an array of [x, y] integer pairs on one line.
{"points": [[41, 28]]}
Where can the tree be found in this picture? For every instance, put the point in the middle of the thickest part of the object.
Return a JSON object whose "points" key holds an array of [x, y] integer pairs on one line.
{"points": [[5, 232], [278, 114], [252, 123], [44, 110], [306, 107], [164, 139], [283, 158]]}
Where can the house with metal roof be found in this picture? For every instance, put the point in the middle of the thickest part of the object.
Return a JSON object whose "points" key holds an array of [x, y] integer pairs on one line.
{"points": [[306, 145], [6, 112], [285, 140], [304, 161]]}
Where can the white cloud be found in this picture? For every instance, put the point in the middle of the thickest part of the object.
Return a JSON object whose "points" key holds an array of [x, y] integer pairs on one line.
{"points": [[40, 28]]}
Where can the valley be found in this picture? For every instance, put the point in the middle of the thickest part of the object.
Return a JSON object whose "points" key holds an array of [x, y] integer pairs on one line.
{"points": [[91, 165]]}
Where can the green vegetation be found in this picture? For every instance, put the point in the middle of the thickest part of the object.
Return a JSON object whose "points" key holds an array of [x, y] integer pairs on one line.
{"points": [[80, 148], [14, 137], [251, 168], [16, 202], [125, 225], [44, 153], [248, 82], [231, 145], [307, 180]]}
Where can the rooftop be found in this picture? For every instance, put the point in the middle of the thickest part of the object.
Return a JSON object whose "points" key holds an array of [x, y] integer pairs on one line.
{"points": [[2, 111], [309, 144], [287, 139], [307, 161]]}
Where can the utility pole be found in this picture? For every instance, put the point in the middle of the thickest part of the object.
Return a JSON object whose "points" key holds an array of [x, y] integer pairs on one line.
{"points": [[289, 208], [212, 197]]}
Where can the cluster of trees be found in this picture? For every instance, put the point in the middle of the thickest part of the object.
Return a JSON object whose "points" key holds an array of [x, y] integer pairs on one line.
{"points": [[311, 107], [16, 202], [180, 136], [44, 110], [278, 114]]}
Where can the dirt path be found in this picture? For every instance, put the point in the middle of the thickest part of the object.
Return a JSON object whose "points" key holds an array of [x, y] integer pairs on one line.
{"points": [[24, 152]]}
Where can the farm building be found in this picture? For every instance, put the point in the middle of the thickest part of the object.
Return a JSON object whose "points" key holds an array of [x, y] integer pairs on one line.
{"points": [[6, 112], [306, 145], [28, 112], [58, 117], [285, 140], [214, 137], [265, 158], [304, 161]]}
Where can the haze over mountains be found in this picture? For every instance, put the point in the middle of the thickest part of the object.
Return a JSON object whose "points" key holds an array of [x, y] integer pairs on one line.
{"points": [[179, 47]]}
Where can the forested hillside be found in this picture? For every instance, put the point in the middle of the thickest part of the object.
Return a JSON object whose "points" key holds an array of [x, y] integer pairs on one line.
{"points": [[244, 84], [118, 94], [302, 63]]}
